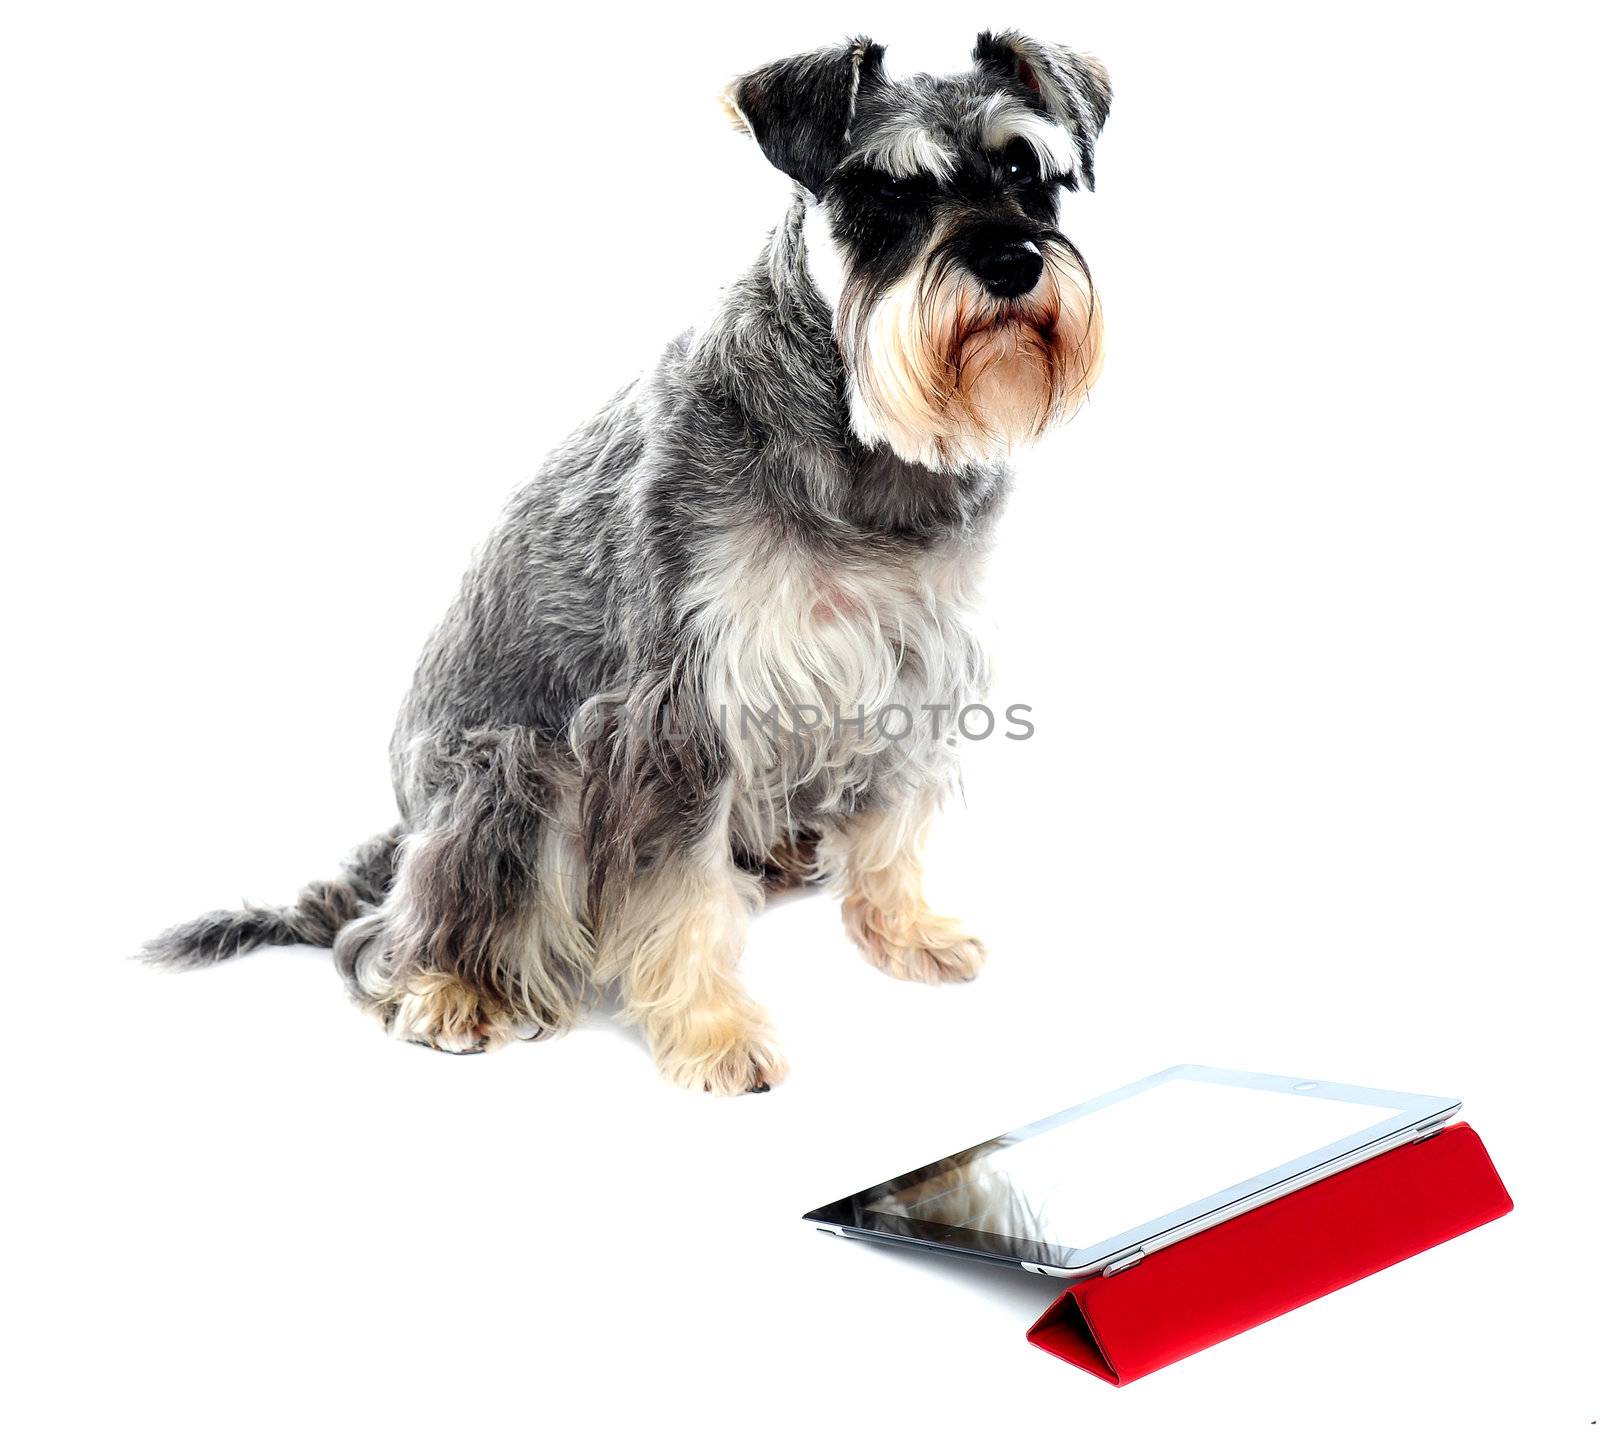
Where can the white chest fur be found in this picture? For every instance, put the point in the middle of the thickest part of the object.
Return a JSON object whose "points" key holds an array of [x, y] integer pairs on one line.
{"points": [[834, 678]]}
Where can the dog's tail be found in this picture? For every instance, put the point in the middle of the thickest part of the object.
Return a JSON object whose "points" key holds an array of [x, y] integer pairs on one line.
{"points": [[314, 919]]}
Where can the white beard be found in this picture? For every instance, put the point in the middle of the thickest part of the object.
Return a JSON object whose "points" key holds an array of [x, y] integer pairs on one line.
{"points": [[958, 378]]}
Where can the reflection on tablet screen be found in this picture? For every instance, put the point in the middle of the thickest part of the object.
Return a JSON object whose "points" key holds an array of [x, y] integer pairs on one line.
{"points": [[1134, 1160]]}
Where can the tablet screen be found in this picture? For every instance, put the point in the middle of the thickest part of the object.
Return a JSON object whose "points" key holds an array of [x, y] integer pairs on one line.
{"points": [[1081, 1182], [1190, 1144]]}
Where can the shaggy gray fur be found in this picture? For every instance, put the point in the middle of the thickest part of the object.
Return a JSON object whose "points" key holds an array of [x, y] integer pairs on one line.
{"points": [[564, 690]]}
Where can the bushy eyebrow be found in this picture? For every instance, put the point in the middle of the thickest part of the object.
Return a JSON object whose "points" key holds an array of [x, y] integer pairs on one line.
{"points": [[909, 149], [1004, 119]]}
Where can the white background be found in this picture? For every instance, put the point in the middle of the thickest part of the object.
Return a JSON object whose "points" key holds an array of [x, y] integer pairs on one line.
{"points": [[295, 294]]}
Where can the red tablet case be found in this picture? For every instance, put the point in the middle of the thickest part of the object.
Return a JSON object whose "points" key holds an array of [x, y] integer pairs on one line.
{"points": [[1276, 1258]]}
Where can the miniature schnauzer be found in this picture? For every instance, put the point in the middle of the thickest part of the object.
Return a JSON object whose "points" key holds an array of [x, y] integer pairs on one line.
{"points": [[789, 514]]}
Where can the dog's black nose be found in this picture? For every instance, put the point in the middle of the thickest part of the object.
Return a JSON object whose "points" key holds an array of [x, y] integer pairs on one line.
{"points": [[1009, 270]]}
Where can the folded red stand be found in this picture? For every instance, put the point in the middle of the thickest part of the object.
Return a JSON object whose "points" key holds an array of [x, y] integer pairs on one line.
{"points": [[1262, 1264]]}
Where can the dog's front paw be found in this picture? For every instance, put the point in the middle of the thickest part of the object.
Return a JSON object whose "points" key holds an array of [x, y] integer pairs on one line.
{"points": [[721, 1054], [914, 947], [438, 1010]]}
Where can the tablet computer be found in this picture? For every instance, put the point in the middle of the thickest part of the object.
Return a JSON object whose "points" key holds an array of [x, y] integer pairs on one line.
{"points": [[1097, 1187]]}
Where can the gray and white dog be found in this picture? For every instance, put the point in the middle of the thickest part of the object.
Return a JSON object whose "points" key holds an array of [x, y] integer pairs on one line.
{"points": [[789, 514]]}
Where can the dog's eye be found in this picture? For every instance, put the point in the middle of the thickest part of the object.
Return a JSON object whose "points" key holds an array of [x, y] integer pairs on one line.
{"points": [[893, 190], [1019, 164]]}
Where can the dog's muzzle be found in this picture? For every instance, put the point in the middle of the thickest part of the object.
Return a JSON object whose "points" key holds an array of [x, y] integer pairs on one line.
{"points": [[993, 336]]}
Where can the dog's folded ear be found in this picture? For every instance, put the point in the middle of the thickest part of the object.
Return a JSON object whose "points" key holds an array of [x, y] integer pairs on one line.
{"points": [[1073, 89], [799, 109]]}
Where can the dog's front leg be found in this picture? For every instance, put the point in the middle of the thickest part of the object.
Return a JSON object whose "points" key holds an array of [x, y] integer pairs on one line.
{"points": [[875, 860], [674, 945]]}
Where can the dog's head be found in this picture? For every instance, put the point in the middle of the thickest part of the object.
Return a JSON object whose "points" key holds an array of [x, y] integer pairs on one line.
{"points": [[967, 319]]}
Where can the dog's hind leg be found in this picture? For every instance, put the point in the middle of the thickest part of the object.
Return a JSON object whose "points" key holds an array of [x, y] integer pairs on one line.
{"points": [[481, 938]]}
